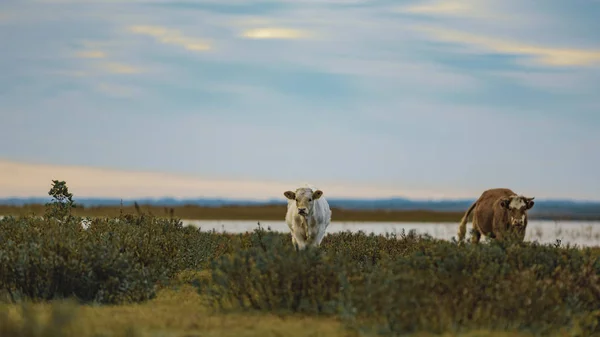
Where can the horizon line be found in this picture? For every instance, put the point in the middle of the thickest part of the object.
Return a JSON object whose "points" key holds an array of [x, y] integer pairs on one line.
{"points": [[282, 200]]}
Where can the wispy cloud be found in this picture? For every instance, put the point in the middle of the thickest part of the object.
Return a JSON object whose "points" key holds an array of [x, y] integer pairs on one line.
{"points": [[338, 74], [120, 68], [102, 58], [443, 8], [544, 55], [503, 27], [92, 54], [275, 33], [85, 1], [489, 10], [171, 36]]}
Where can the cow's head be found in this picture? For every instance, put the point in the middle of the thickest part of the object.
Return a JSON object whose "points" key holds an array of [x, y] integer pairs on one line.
{"points": [[304, 198], [517, 206]]}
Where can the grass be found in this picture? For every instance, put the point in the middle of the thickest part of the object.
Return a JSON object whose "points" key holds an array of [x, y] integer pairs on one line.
{"points": [[176, 312], [139, 275]]}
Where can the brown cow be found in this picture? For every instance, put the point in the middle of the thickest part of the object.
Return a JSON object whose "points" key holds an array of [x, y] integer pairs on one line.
{"points": [[497, 213]]}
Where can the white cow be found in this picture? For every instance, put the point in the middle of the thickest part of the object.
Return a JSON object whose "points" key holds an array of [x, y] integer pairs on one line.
{"points": [[308, 216]]}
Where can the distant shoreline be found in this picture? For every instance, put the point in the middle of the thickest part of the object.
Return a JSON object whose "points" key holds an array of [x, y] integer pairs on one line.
{"points": [[274, 212]]}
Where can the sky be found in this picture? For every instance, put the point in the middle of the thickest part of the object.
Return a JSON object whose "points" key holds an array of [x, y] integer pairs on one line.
{"points": [[240, 98]]}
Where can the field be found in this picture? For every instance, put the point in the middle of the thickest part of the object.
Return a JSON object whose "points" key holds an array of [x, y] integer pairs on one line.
{"points": [[142, 275], [269, 212]]}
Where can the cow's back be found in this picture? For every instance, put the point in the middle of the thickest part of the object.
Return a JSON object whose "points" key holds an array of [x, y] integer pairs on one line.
{"points": [[483, 214]]}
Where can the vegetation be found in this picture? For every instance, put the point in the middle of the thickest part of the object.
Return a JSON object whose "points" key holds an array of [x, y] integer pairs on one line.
{"points": [[235, 212], [141, 275], [272, 212]]}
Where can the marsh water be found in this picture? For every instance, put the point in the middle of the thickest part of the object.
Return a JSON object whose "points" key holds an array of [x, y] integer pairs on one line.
{"points": [[581, 233]]}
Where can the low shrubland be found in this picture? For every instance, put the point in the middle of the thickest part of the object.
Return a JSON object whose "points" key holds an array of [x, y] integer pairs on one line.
{"points": [[391, 285]]}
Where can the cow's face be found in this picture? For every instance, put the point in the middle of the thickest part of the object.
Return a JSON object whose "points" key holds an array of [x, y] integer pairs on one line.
{"points": [[305, 198], [517, 207]]}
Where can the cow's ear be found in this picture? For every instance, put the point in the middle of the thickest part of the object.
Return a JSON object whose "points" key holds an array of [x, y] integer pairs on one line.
{"points": [[504, 202], [290, 195], [530, 202], [317, 194]]}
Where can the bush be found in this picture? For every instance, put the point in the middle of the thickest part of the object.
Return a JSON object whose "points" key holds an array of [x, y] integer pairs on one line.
{"points": [[270, 275], [414, 283], [449, 288], [116, 260], [391, 285]]}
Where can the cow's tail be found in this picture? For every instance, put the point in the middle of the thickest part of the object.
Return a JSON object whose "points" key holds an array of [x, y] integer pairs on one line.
{"points": [[462, 228]]}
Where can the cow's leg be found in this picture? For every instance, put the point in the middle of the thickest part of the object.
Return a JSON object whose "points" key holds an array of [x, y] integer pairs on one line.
{"points": [[319, 237], [498, 232], [476, 236], [313, 237], [313, 242], [301, 245], [300, 242]]}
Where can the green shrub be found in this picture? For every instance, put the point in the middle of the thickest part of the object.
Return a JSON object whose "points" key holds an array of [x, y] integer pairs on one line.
{"points": [[399, 285], [43, 260], [115, 260], [392, 285], [270, 275], [449, 288]]}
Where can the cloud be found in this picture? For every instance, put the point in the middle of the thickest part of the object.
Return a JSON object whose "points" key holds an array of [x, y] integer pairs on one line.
{"points": [[275, 33], [353, 78], [86, 1], [120, 68], [18, 179], [545, 36], [489, 11], [171, 36], [103, 58], [544, 55], [443, 8], [92, 54]]}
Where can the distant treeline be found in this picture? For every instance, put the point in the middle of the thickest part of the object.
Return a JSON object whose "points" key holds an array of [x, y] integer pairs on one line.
{"points": [[277, 212]]}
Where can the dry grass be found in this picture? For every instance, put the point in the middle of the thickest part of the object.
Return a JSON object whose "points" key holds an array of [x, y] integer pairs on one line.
{"points": [[176, 312], [254, 213]]}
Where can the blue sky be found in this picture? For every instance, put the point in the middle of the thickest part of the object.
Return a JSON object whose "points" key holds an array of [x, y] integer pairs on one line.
{"points": [[361, 98]]}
